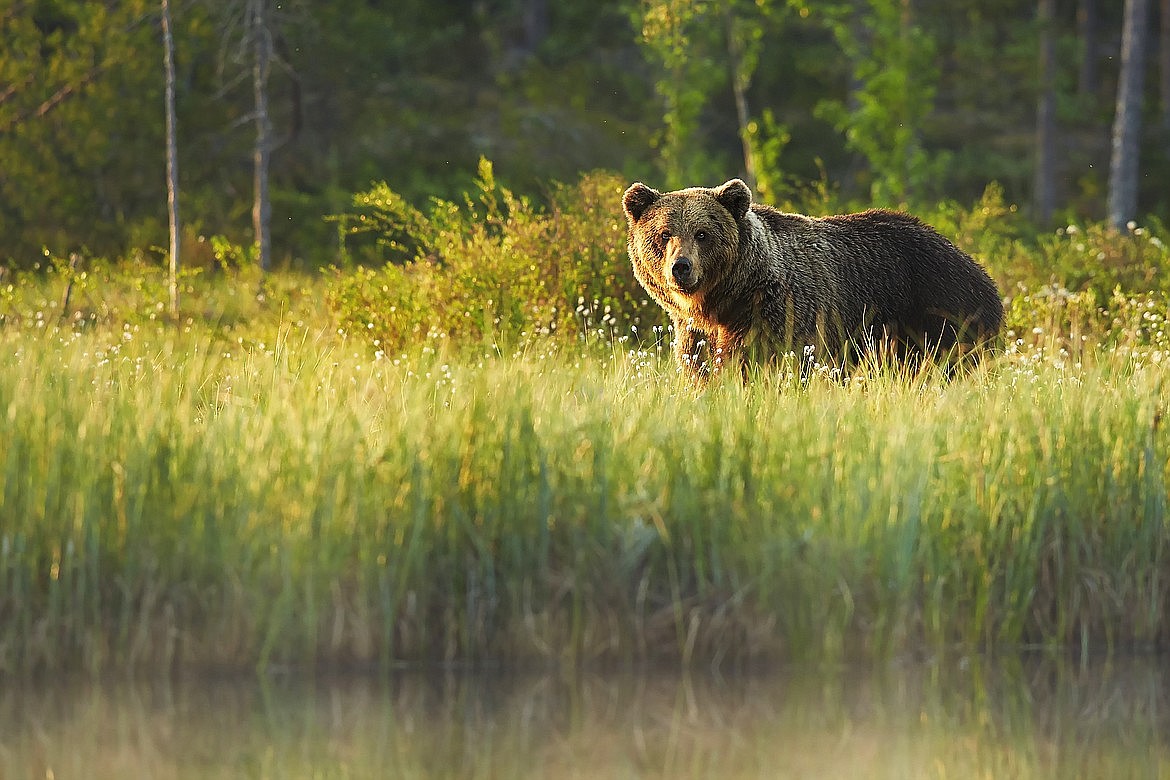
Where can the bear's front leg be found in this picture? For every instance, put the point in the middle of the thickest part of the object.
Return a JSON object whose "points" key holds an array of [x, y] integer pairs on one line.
{"points": [[727, 354], [688, 351]]}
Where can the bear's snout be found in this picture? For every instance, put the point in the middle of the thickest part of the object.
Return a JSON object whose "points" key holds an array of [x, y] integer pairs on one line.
{"points": [[683, 271]]}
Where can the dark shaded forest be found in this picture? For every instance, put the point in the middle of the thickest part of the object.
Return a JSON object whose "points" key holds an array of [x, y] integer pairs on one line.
{"points": [[878, 102]]}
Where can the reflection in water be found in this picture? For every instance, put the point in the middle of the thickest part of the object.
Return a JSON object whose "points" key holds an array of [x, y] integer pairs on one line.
{"points": [[1018, 719]]}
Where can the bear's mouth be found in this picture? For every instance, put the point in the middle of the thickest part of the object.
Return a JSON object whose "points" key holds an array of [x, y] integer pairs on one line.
{"points": [[683, 273]]}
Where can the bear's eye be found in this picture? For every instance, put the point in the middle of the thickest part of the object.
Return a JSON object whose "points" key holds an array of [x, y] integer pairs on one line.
{"points": [[700, 235], [664, 235]]}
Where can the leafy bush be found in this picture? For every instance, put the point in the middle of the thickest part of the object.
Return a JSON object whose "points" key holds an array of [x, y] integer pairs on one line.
{"points": [[1100, 259], [1074, 287], [388, 307], [498, 269], [494, 268]]}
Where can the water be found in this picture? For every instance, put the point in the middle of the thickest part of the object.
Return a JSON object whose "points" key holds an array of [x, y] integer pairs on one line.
{"points": [[1014, 718]]}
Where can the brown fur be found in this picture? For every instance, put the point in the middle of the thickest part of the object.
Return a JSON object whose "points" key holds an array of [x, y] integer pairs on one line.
{"points": [[833, 286]]}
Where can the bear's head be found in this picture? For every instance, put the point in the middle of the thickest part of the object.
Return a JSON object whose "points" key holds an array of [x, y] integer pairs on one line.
{"points": [[682, 243]]}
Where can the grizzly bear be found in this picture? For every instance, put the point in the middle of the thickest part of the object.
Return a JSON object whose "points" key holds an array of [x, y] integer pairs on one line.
{"points": [[736, 276]]}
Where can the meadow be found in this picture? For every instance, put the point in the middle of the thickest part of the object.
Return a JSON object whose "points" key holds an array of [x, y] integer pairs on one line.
{"points": [[271, 481]]}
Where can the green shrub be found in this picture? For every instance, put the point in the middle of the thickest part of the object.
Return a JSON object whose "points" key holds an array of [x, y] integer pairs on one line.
{"points": [[230, 255], [496, 268], [1100, 259], [388, 307]]}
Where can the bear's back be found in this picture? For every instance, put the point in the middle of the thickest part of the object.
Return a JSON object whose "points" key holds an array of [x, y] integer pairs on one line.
{"points": [[881, 268], [846, 267]]}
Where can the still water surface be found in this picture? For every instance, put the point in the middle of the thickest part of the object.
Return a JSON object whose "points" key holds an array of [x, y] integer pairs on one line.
{"points": [[1014, 718]]}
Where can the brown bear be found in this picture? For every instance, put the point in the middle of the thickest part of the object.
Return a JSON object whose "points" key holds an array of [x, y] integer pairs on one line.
{"points": [[732, 275]]}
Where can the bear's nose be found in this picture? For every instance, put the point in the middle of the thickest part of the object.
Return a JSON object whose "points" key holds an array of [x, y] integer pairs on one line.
{"points": [[681, 270]]}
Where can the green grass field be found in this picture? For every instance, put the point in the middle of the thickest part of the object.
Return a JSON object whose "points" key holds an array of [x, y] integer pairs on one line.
{"points": [[264, 490]]}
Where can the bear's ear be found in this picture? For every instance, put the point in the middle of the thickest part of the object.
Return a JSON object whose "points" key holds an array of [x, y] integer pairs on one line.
{"points": [[735, 196], [637, 199]]}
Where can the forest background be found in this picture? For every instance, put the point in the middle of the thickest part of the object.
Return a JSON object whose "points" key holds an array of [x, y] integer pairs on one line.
{"points": [[882, 102]]}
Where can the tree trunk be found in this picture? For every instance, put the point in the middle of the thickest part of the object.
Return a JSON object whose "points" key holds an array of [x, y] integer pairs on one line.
{"points": [[1127, 122], [172, 156], [1045, 183], [1164, 64], [261, 206], [74, 264], [534, 14], [914, 140], [1087, 23], [740, 81]]}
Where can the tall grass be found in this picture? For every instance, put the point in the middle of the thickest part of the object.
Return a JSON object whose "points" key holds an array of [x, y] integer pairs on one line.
{"points": [[177, 499]]}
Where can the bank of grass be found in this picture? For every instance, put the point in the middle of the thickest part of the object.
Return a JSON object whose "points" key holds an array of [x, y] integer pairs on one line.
{"points": [[174, 496], [485, 456]]}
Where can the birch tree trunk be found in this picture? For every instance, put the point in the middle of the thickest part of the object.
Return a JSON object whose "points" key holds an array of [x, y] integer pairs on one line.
{"points": [[172, 157], [1127, 122], [261, 64]]}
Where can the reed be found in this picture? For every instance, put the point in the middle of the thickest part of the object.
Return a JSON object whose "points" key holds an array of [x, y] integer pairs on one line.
{"points": [[172, 498]]}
